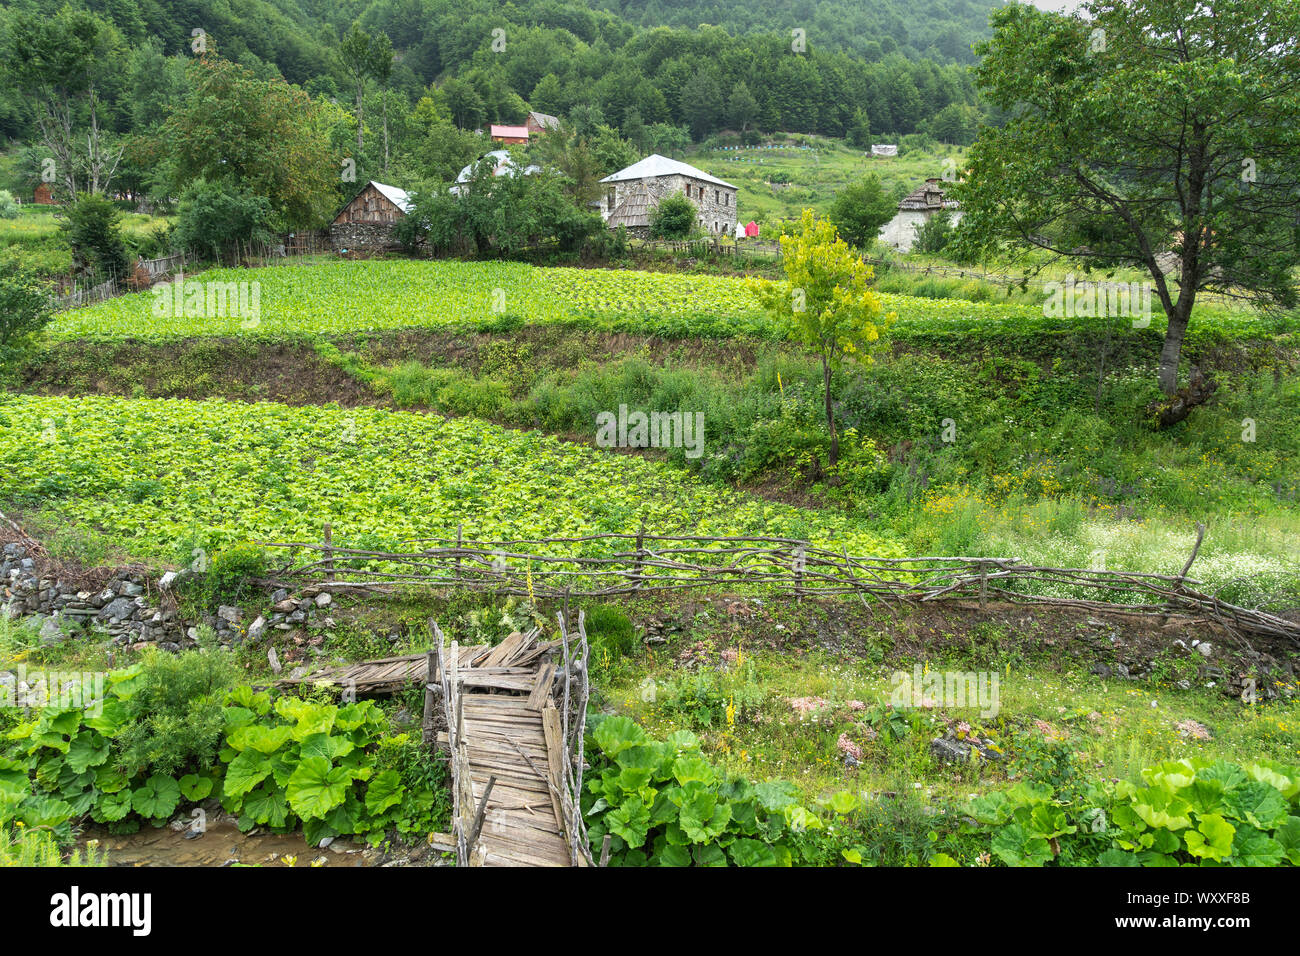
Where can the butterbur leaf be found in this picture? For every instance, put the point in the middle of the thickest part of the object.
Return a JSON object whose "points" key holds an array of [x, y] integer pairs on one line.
{"points": [[157, 798], [44, 811], [693, 769], [747, 852], [1212, 838], [615, 734], [711, 855], [630, 820], [316, 788], [775, 796], [1015, 846], [245, 772], [939, 859], [1257, 803], [110, 718], [112, 807], [671, 855], [1288, 838], [88, 749], [195, 788], [1251, 847], [263, 739], [384, 791], [266, 805], [324, 745]]}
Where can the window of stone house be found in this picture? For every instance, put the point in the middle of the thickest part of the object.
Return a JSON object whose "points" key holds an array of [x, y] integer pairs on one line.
{"points": [[609, 199]]}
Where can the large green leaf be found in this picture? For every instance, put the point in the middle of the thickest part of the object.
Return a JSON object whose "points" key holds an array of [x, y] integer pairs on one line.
{"points": [[259, 737], [316, 788], [1212, 838], [325, 745], [1251, 847], [630, 820], [195, 788], [1257, 803], [158, 797], [615, 734], [88, 749], [384, 791], [1016, 846], [112, 807], [246, 771], [747, 852], [266, 805]]}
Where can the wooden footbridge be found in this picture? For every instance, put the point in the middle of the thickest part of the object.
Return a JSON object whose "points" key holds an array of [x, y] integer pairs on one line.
{"points": [[511, 718]]}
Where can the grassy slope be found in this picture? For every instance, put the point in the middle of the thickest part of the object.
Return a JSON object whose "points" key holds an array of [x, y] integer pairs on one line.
{"points": [[816, 175]]}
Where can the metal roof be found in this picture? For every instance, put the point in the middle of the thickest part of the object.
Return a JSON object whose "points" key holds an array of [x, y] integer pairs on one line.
{"points": [[397, 197], [654, 166], [512, 132]]}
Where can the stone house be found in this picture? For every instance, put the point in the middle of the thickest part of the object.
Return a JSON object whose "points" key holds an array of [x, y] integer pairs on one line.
{"points": [[632, 194], [917, 207], [365, 224]]}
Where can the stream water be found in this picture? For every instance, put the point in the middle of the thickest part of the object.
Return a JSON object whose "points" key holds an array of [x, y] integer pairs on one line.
{"points": [[223, 845]]}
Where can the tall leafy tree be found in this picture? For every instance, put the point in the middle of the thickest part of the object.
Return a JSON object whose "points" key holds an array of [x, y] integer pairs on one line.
{"points": [[61, 61], [861, 209], [357, 53], [826, 300], [1141, 126], [262, 137]]}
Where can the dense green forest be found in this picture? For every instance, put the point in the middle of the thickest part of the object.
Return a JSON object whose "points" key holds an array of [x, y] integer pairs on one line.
{"points": [[882, 68]]}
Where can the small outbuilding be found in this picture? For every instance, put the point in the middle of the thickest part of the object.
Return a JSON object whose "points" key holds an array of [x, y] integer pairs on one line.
{"points": [[917, 207], [365, 224], [509, 135]]}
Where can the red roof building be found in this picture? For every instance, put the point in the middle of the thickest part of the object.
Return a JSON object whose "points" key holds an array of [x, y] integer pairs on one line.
{"points": [[509, 135]]}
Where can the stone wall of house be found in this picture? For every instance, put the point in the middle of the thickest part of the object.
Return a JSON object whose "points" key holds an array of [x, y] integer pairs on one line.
{"points": [[717, 207], [900, 232], [363, 237]]}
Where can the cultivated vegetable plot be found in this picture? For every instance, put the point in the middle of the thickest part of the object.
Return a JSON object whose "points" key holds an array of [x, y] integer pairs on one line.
{"points": [[164, 477], [336, 297]]}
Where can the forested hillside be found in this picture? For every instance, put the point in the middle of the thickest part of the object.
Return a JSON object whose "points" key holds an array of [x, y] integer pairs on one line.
{"points": [[880, 67]]}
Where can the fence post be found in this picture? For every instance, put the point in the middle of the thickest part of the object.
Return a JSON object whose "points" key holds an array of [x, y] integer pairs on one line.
{"points": [[640, 537], [430, 667], [460, 528], [984, 582], [329, 552]]}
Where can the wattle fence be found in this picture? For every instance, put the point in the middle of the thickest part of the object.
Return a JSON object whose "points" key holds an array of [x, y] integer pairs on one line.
{"points": [[608, 565]]}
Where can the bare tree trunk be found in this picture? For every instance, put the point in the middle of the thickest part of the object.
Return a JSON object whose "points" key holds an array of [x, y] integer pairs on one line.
{"points": [[360, 90], [830, 413]]}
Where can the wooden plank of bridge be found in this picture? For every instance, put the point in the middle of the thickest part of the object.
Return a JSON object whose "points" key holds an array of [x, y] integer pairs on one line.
{"points": [[507, 731]]}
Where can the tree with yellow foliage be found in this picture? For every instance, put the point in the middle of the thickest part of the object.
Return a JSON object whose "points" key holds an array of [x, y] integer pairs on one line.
{"points": [[826, 300]]}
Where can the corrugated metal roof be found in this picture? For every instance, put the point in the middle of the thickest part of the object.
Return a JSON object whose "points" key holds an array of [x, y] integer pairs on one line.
{"points": [[397, 197], [514, 132], [655, 165]]}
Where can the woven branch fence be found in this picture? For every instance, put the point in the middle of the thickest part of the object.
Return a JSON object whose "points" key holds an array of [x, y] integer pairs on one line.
{"points": [[609, 565]]}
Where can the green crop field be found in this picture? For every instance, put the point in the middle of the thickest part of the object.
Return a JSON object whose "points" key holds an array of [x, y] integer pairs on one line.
{"points": [[334, 297], [157, 478]]}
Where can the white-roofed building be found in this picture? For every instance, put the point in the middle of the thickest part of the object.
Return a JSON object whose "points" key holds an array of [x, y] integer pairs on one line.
{"points": [[365, 224], [503, 165], [632, 194]]}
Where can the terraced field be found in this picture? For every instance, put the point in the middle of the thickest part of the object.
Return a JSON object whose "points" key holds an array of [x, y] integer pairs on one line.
{"points": [[159, 478], [336, 297]]}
